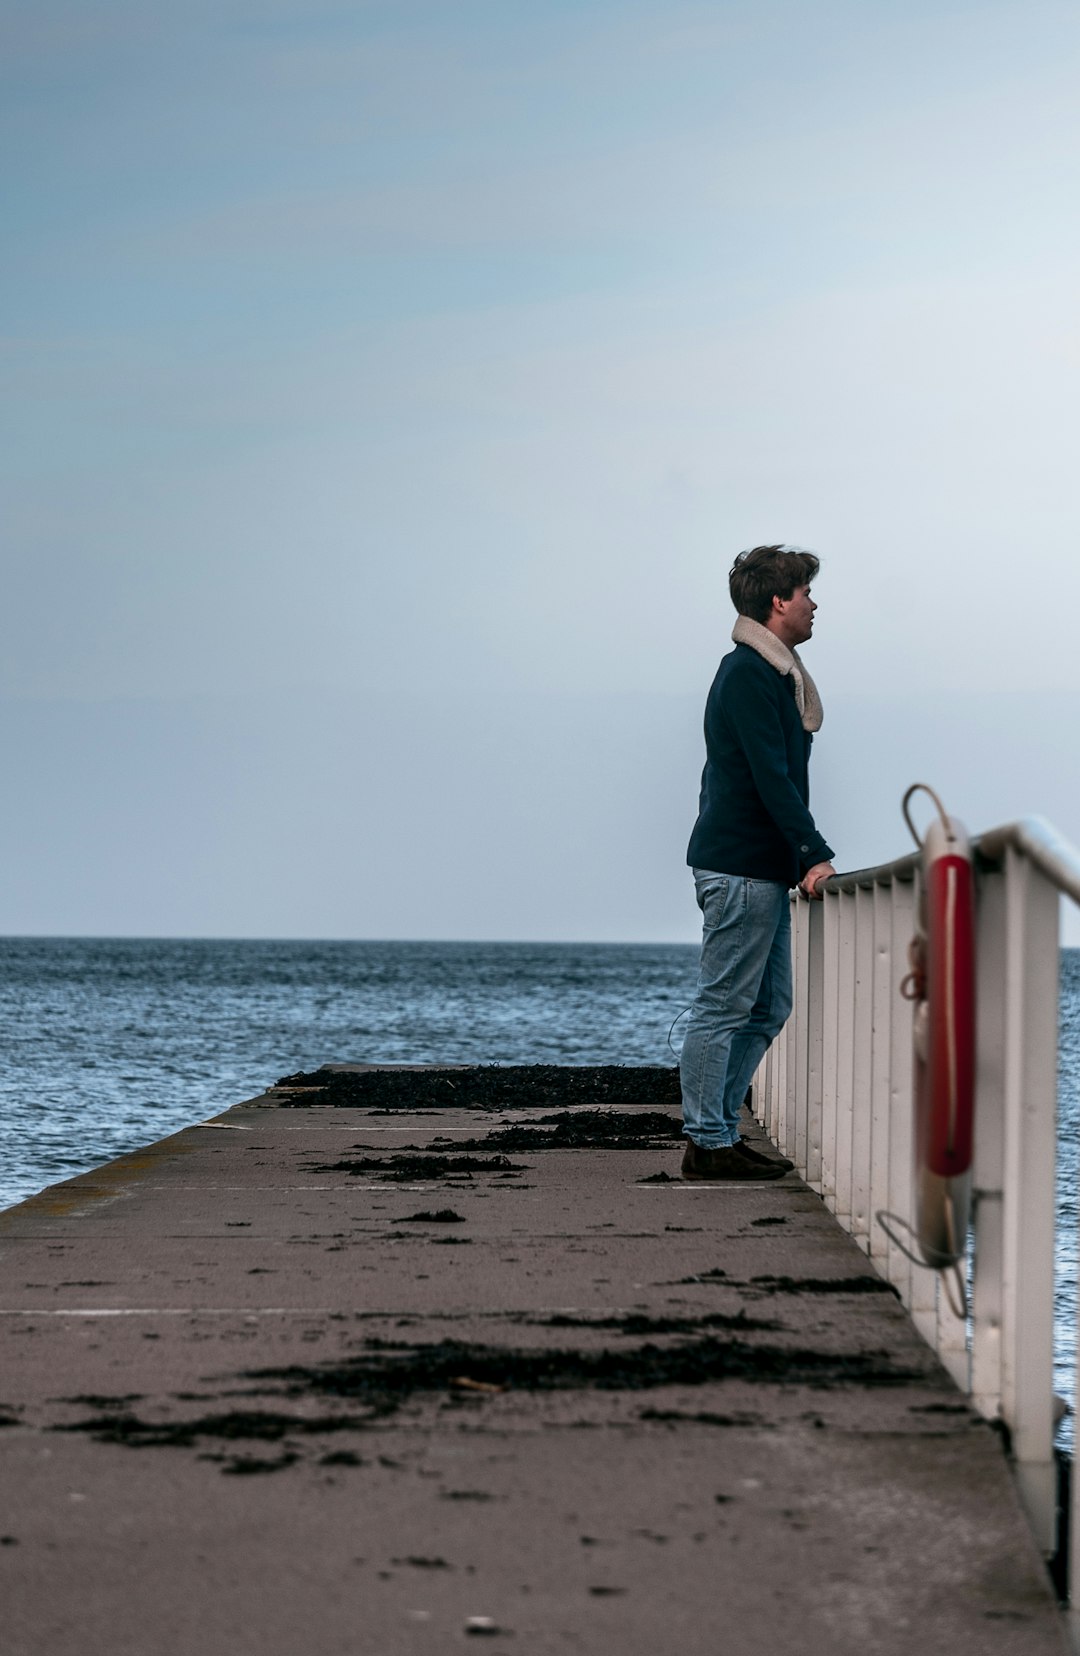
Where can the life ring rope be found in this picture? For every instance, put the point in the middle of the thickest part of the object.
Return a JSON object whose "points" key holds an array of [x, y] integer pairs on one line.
{"points": [[924, 787], [953, 1277]]}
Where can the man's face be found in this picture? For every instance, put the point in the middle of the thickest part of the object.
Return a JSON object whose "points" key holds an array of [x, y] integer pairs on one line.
{"points": [[795, 616]]}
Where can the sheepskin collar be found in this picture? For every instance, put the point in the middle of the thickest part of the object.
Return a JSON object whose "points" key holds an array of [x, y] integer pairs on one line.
{"points": [[777, 654]]}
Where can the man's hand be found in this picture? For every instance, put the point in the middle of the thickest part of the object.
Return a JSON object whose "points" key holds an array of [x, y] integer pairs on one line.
{"points": [[813, 877]]}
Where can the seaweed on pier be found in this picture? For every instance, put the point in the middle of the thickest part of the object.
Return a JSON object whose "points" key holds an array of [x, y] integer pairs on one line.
{"points": [[243, 1464], [484, 1087], [583, 1130], [95, 1400], [406, 1168], [704, 1417], [386, 1378], [824, 1285], [261, 1425], [867, 1284], [436, 1216], [636, 1322], [389, 1374]]}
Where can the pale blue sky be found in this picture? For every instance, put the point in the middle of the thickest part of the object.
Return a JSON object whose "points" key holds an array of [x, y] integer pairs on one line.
{"points": [[417, 356]]}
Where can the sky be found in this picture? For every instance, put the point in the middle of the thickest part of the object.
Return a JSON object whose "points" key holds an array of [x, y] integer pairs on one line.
{"points": [[387, 389]]}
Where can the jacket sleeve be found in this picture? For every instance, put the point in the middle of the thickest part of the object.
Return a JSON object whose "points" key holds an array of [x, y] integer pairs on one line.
{"points": [[755, 718]]}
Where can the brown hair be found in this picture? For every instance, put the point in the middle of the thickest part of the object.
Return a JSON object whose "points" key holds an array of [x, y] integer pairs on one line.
{"points": [[766, 572]]}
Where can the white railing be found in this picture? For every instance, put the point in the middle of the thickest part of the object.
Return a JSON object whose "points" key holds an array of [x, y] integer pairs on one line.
{"points": [[835, 1093]]}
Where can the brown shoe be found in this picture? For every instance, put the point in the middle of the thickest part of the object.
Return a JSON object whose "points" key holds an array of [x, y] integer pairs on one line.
{"points": [[745, 1148], [726, 1163]]}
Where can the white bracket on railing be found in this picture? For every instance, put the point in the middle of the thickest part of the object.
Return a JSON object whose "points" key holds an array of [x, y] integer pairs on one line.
{"points": [[1031, 1012]]}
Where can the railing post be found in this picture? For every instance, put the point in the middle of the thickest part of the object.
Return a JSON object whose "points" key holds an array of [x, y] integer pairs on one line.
{"points": [[796, 1144], [989, 1170], [902, 901], [845, 1056], [882, 1013], [923, 1291], [862, 1065], [790, 1040], [783, 1048], [1031, 1003], [815, 1019], [763, 1089], [830, 1039]]}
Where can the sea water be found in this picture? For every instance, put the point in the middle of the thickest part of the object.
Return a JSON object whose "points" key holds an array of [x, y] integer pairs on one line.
{"points": [[110, 1044]]}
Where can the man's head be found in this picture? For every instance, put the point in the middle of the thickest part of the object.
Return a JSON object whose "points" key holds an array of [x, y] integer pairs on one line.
{"points": [[771, 585]]}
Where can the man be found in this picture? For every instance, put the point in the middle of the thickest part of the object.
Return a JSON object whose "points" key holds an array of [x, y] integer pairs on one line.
{"points": [[754, 839]]}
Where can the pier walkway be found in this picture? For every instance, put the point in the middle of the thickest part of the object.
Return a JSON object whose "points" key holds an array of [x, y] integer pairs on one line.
{"points": [[266, 1391]]}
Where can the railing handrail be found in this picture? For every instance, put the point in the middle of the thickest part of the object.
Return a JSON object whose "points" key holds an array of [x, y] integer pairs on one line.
{"points": [[1037, 839]]}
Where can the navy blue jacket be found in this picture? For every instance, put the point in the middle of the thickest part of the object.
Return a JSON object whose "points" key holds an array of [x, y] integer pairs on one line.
{"points": [[754, 816]]}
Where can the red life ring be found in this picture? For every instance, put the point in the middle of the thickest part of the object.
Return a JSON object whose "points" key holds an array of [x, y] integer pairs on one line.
{"points": [[942, 984]]}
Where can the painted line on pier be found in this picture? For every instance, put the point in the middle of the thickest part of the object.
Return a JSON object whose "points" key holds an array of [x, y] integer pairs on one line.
{"points": [[335, 1311]]}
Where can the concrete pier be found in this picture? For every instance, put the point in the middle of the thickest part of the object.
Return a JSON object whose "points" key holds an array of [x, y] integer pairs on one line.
{"points": [[257, 1402]]}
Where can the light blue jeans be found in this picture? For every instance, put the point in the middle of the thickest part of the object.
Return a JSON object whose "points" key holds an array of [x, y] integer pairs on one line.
{"points": [[743, 1000]]}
